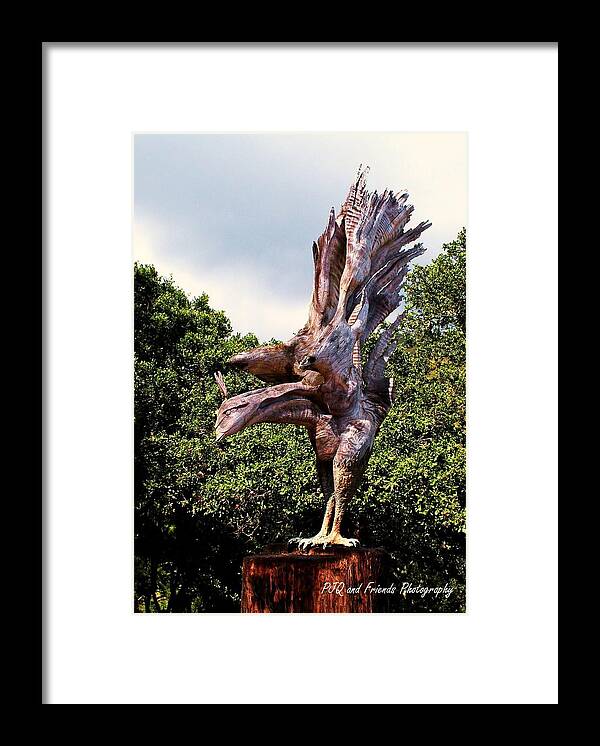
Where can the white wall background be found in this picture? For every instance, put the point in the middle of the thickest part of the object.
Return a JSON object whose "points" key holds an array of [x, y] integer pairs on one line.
{"points": [[503, 650]]}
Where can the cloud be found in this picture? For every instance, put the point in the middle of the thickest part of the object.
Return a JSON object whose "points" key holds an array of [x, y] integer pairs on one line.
{"points": [[248, 301], [235, 215]]}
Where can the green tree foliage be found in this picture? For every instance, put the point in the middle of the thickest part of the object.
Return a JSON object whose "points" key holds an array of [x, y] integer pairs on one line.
{"points": [[200, 508]]}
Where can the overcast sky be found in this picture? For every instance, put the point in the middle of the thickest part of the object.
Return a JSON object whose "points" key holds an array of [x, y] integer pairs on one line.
{"points": [[235, 215]]}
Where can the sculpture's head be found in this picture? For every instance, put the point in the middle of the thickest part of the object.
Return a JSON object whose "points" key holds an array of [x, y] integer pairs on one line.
{"points": [[331, 351]]}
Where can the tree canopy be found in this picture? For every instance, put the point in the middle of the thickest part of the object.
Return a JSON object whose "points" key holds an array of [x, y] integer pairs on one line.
{"points": [[199, 508]]}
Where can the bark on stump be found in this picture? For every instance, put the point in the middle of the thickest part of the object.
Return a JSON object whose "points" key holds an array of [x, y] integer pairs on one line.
{"points": [[277, 580]]}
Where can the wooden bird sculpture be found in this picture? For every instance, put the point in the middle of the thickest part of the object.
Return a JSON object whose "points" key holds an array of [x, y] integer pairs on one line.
{"points": [[316, 378]]}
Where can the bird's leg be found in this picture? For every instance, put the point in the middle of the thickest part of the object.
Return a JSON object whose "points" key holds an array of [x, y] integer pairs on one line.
{"points": [[327, 517], [346, 478], [319, 538], [325, 474]]}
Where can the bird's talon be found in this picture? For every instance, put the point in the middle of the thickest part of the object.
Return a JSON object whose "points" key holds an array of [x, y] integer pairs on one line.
{"points": [[335, 539], [330, 540], [304, 544]]}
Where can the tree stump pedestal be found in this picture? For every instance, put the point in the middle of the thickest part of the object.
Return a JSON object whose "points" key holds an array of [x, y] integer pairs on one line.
{"points": [[336, 579]]}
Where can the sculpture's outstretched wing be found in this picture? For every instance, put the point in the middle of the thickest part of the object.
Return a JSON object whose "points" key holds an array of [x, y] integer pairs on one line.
{"points": [[375, 253], [329, 255], [383, 288], [378, 387]]}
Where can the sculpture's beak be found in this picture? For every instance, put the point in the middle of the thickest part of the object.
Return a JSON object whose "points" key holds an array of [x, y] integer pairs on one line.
{"points": [[239, 361]]}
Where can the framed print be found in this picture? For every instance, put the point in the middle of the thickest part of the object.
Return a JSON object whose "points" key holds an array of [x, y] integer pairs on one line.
{"points": [[300, 373]]}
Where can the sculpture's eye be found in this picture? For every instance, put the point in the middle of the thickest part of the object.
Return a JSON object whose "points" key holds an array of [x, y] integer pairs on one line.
{"points": [[233, 409]]}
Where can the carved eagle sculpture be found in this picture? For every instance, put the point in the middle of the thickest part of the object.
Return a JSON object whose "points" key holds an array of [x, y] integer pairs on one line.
{"points": [[317, 380]]}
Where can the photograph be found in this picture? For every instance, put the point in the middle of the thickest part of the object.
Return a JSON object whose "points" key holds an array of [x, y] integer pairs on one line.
{"points": [[300, 377]]}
